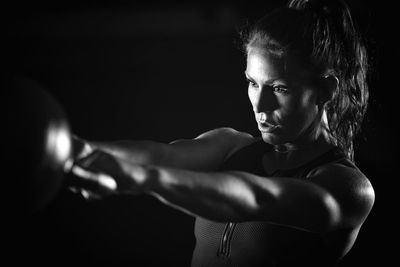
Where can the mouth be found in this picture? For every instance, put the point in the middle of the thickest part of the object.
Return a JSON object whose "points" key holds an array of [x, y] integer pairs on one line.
{"points": [[266, 127]]}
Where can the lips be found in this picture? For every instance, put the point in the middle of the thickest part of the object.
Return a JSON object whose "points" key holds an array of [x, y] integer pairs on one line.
{"points": [[267, 127]]}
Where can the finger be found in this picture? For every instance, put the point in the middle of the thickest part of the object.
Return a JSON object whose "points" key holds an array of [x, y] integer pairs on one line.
{"points": [[96, 182], [101, 162], [82, 148], [101, 179], [90, 160], [86, 194]]}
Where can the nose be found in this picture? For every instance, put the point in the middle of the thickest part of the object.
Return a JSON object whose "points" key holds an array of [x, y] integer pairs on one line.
{"points": [[263, 100]]}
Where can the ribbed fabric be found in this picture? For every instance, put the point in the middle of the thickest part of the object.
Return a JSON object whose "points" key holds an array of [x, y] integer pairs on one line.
{"points": [[261, 243]]}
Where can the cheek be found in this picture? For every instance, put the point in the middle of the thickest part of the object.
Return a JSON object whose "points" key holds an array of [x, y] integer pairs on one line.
{"points": [[251, 96], [298, 111]]}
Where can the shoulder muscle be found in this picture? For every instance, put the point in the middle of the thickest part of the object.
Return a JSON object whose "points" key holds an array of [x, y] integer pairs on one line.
{"points": [[350, 188], [228, 138]]}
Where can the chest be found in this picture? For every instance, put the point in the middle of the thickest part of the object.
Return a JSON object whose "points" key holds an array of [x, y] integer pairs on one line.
{"points": [[254, 243]]}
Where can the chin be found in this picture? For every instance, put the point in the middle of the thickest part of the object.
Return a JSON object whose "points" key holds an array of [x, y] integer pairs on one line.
{"points": [[276, 139], [271, 139]]}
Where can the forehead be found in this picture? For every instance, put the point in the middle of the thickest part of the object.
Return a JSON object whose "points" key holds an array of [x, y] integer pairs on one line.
{"points": [[262, 63]]}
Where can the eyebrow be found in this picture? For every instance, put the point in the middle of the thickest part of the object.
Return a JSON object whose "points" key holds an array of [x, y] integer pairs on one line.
{"points": [[270, 81]]}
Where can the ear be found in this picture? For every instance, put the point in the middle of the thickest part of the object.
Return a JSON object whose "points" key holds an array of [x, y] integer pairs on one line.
{"points": [[329, 85]]}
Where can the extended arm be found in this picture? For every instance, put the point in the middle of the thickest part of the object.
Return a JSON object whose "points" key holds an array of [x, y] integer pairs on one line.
{"points": [[238, 196], [333, 198], [205, 152]]}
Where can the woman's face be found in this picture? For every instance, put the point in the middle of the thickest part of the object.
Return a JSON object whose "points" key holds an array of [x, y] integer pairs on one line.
{"points": [[283, 99]]}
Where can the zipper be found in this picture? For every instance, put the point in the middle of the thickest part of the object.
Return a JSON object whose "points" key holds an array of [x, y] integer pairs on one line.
{"points": [[225, 244]]}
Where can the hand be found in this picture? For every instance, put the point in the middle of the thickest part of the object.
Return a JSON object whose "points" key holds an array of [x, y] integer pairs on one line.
{"points": [[100, 174]]}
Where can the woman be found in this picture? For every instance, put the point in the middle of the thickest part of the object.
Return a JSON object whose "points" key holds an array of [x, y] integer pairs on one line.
{"points": [[292, 197]]}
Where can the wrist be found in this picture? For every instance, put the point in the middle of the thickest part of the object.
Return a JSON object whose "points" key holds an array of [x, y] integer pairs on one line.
{"points": [[146, 178]]}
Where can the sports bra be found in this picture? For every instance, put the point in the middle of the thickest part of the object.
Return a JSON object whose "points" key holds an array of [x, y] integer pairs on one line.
{"points": [[259, 243]]}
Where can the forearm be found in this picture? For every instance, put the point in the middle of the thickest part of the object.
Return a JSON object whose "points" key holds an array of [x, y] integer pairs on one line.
{"points": [[223, 196]]}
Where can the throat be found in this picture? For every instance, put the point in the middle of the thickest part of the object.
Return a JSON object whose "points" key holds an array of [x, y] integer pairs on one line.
{"points": [[289, 157]]}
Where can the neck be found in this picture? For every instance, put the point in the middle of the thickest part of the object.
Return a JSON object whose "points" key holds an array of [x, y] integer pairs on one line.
{"points": [[291, 155], [303, 145], [315, 139]]}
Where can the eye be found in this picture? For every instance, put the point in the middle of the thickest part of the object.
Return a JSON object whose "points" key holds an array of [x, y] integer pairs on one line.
{"points": [[282, 89], [251, 83]]}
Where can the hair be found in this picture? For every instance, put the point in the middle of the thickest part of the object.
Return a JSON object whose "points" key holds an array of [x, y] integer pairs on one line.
{"points": [[322, 34]]}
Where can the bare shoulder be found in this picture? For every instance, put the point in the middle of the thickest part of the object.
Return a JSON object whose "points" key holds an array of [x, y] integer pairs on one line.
{"points": [[350, 187], [227, 132], [230, 138], [206, 151]]}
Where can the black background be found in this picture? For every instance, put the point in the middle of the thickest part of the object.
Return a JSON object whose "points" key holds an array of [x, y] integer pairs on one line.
{"points": [[163, 71]]}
